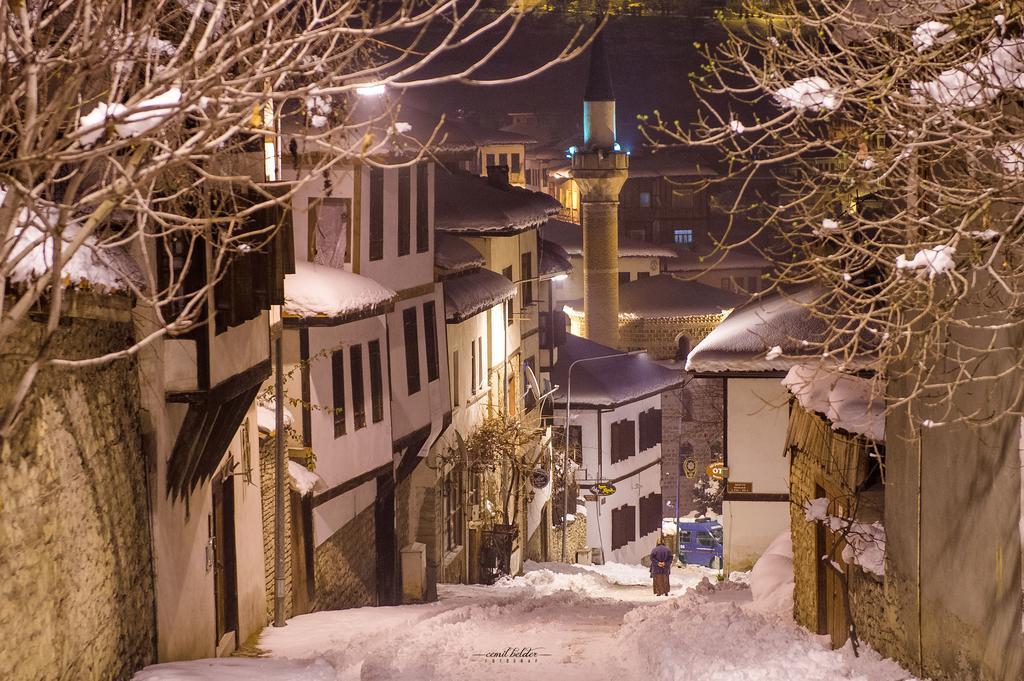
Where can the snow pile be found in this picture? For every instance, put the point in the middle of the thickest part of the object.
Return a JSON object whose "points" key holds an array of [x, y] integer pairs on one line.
{"points": [[321, 291], [91, 267], [771, 578], [303, 480], [865, 542], [976, 83], [931, 33], [239, 669], [849, 402], [266, 417], [704, 637], [814, 93], [598, 580], [128, 120], [930, 261]]}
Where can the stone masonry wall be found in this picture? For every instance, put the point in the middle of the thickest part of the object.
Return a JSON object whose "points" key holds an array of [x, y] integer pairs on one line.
{"points": [[76, 597], [817, 464], [691, 419], [576, 539], [345, 566], [267, 493]]}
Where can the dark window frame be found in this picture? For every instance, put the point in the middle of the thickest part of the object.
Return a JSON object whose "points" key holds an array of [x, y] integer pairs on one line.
{"points": [[412, 350], [422, 208], [376, 381], [623, 440], [526, 275], [404, 214], [376, 241], [430, 340], [338, 391], [355, 354]]}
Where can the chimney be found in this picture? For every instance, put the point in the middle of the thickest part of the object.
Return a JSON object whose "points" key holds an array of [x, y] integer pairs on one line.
{"points": [[497, 177]]}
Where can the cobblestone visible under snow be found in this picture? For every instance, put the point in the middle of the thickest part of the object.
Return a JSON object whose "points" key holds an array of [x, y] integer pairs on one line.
{"points": [[564, 621]]}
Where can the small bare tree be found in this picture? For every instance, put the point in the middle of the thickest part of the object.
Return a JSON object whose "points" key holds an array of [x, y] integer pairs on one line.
{"points": [[136, 137]]}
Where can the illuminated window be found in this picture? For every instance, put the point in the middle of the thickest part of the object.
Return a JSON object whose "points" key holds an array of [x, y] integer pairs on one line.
{"points": [[682, 236]]}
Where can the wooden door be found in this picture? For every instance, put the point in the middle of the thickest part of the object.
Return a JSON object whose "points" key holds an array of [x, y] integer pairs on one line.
{"points": [[225, 578]]}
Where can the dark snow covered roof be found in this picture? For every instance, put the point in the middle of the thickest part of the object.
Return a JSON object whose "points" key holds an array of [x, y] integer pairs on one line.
{"points": [[453, 255], [569, 236], [740, 257], [743, 340], [610, 382], [670, 163], [553, 259], [669, 296], [473, 292], [472, 205]]}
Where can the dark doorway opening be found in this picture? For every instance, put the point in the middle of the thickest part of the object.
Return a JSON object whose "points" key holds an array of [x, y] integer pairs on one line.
{"points": [[225, 574], [386, 542]]}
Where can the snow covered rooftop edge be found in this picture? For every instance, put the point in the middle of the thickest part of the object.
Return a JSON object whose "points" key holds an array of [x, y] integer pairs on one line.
{"points": [[747, 337], [609, 383], [850, 403], [317, 291], [469, 294], [468, 204]]}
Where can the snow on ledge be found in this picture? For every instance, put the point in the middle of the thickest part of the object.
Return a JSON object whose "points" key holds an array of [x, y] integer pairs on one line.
{"points": [[321, 291], [303, 480], [93, 266], [266, 418], [849, 402]]}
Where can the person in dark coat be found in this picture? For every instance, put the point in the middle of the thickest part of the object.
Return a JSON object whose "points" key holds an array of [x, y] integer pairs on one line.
{"points": [[661, 567]]}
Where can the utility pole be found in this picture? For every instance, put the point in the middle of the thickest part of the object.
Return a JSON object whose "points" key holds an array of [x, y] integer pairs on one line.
{"points": [[279, 474]]}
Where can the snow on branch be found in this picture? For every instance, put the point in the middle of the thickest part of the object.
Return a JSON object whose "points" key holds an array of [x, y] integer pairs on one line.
{"points": [[864, 542]]}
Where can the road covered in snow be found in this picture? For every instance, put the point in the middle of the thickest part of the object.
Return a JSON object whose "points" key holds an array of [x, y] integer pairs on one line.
{"points": [[557, 621]]}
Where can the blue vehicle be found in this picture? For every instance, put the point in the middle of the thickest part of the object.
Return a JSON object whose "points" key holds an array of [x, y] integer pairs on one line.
{"points": [[700, 542]]}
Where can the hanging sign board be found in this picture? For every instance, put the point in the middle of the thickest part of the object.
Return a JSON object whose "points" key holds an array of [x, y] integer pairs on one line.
{"points": [[690, 467], [602, 489], [539, 478], [739, 487], [717, 470]]}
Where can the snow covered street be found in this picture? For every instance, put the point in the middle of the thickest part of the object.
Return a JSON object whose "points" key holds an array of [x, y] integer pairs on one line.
{"points": [[557, 621]]}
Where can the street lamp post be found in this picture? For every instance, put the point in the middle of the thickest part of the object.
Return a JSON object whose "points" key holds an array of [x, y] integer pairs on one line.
{"points": [[565, 450]]}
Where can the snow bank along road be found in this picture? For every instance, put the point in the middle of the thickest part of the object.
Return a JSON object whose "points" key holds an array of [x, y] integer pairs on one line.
{"points": [[558, 621]]}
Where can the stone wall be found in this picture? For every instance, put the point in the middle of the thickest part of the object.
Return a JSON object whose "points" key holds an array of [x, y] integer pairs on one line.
{"points": [[267, 498], [345, 567], [76, 598], [658, 336], [576, 539], [691, 426]]}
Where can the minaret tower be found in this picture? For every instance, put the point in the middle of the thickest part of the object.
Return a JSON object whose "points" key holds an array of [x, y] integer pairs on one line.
{"points": [[600, 170]]}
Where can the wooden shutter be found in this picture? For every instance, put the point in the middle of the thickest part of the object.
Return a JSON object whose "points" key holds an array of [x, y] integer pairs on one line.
{"points": [[376, 213], [404, 218], [422, 208], [358, 391]]}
